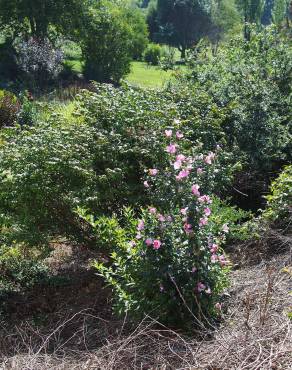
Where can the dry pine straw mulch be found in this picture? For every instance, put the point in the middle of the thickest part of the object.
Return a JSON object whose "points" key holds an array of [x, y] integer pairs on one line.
{"points": [[71, 327]]}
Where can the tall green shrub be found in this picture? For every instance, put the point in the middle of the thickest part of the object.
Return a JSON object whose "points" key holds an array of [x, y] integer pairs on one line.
{"points": [[106, 43]]}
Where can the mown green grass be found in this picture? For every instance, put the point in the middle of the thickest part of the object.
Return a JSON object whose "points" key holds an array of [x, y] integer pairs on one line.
{"points": [[144, 75]]}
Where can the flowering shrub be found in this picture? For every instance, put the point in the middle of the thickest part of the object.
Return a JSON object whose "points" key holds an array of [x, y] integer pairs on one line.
{"points": [[170, 262]]}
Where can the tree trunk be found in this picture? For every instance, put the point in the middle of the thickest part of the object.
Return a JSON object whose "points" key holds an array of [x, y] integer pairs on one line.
{"points": [[183, 52]]}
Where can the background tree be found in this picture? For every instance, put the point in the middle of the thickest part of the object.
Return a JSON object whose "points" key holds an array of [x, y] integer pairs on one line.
{"points": [[252, 12], [137, 21], [34, 17], [182, 23], [106, 40], [280, 11], [226, 17]]}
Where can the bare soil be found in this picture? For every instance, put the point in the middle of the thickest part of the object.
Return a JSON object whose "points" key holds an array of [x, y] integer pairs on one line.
{"points": [[70, 325]]}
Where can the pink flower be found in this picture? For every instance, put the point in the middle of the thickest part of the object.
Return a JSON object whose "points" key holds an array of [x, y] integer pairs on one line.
{"points": [[171, 149], [177, 165], [132, 243], [138, 236], [169, 218], [153, 172], [203, 221], [218, 306], [152, 210], [195, 190], [199, 171], [201, 287], [148, 242], [205, 199], [214, 258], [194, 269], [188, 228], [183, 211], [214, 248], [181, 157], [207, 211], [161, 218], [156, 244], [209, 158], [168, 133], [146, 185], [182, 174], [141, 225], [225, 228], [179, 135], [208, 291], [223, 261]]}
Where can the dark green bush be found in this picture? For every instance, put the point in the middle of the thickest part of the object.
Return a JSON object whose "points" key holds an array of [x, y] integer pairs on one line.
{"points": [[9, 109], [45, 172], [106, 43], [20, 268], [153, 54], [253, 80], [279, 201], [8, 62]]}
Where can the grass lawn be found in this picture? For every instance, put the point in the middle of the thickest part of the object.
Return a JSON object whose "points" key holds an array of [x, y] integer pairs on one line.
{"points": [[147, 76], [141, 74]]}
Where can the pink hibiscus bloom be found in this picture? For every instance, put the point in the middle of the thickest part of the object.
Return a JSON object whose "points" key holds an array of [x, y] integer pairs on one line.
{"points": [[182, 174], [208, 291], [218, 306], [188, 228], [179, 135], [156, 244], [180, 157], [177, 165], [153, 172], [183, 211], [171, 149], [168, 133], [141, 225], [203, 221], [214, 248], [223, 261], [195, 190], [209, 158], [205, 199], [225, 228], [146, 185], [199, 171], [207, 211], [161, 218], [214, 258], [148, 242], [201, 287], [152, 210]]}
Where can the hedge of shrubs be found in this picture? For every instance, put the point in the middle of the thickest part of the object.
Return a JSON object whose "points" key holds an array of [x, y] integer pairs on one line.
{"points": [[168, 156]]}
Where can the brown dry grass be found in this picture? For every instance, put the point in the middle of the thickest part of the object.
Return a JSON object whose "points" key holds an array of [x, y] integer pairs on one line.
{"points": [[255, 332]]}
